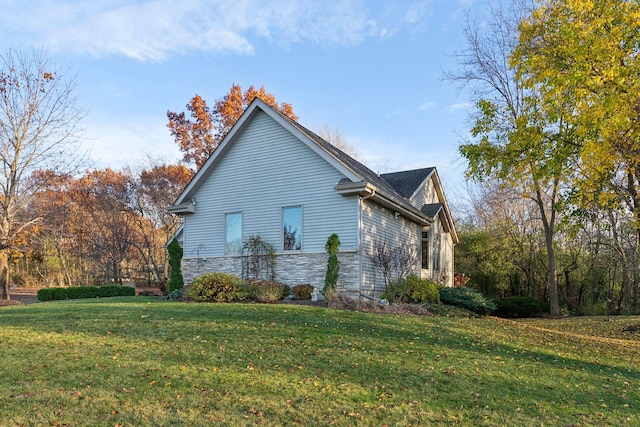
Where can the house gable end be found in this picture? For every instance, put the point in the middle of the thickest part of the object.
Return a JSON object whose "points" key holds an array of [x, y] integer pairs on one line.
{"points": [[236, 132]]}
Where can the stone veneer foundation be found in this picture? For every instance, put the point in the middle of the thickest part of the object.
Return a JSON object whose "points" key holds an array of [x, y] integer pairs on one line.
{"points": [[290, 269]]}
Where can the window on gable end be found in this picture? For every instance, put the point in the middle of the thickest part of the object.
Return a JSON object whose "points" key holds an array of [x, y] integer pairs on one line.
{"points": [[292, 228], [233, 233]]}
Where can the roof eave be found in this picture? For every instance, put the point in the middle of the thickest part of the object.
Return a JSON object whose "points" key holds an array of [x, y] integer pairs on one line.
{"points": [[182, 209], [370, 191]]}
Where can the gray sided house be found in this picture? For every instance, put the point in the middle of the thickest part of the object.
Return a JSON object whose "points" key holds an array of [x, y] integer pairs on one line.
{"points": [[273, 178]]}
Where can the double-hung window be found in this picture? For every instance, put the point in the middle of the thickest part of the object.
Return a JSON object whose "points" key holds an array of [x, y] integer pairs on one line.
{"points": [[292, 228], [233, 233]]}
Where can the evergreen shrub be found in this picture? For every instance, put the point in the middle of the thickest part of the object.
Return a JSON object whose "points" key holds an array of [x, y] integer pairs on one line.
{"points": [[79, 292], [467, 298]]}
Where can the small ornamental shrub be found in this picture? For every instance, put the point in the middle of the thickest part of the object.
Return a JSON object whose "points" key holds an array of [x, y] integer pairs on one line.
{"points": [[302, 292], [176, 281], [422, 290], [514, 307], [265, 290], [333, 265], [412, 290], [176, 295], [467, 298], [216, 287]]}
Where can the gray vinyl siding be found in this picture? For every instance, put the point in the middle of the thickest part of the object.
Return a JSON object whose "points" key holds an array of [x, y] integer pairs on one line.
{"points": [[265, 169], [379, 224], [425, 195]]}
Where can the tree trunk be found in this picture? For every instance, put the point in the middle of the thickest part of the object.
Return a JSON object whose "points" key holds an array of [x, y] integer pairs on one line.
{"points": [[4, 275], [553, 281]]}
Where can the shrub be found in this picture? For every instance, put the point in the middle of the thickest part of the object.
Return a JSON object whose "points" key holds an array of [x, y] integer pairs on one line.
{"points": [[422, 290], [116, 291], [412, 290], [302, 292], [467, 298], [176, 295], [333, 265], [78, 292], [520, 307], [176, 281], [265, 290], [216, 287], [52, 294]]}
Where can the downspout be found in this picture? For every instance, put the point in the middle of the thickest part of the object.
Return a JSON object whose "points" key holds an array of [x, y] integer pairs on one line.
{"points": [[360, 249]]}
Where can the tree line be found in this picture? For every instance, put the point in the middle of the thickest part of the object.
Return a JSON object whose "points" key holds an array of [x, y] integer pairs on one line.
{"points": [[554, 149]]}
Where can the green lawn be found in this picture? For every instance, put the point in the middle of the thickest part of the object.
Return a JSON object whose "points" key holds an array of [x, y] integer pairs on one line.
{"points": [[136, 361]]}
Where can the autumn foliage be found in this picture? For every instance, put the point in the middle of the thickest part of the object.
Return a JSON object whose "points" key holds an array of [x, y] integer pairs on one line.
{"points": [[106, 226], [201, 133]]}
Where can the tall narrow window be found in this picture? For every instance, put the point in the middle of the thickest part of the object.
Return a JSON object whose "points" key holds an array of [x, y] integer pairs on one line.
{"points": [[292, 228], [436, 249], [425, 249], [233, 233]]}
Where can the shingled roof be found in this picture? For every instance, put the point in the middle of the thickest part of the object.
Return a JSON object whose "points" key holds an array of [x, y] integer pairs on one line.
{"points": [[366, 174], [406, 182]]}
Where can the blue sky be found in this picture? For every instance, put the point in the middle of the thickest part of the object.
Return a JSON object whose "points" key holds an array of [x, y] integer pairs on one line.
{"points": [[372, 69]]}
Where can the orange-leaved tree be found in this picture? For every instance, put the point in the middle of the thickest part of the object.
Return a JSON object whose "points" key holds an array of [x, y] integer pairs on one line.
{"points": [[201, 133]]}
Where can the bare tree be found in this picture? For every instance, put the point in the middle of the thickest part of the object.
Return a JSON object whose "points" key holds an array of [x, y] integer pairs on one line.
{"points": [[335, 137], [39, 125], [394, 260]]}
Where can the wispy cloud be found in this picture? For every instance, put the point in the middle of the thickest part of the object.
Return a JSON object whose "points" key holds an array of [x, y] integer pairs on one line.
{"points": [[460, 106], [427, 106], [156, 29]]}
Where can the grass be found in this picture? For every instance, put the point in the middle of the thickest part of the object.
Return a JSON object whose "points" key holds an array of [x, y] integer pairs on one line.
{"points": [[136, 361]]}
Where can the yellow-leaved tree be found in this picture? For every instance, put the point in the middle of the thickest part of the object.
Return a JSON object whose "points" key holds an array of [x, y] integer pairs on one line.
{"points": [[582, 57]]}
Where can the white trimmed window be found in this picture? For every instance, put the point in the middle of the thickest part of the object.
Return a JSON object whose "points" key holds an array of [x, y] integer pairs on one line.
{"points": [[233, 233], [292, 228], [426, 237]]}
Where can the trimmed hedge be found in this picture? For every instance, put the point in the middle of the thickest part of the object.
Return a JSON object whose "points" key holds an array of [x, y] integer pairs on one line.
{"points": [[514, 307], [467, 298], [79, 292]]}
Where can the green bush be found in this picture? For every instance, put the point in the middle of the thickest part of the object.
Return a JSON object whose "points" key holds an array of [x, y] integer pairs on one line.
{"points": [[333, 265], [176, 295], [467, 298], [265, 290], [514, 307], [52, 294], [216, 287], [78, 292], [176, 281], [412, 290], [116, 291], [302, 292]]}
